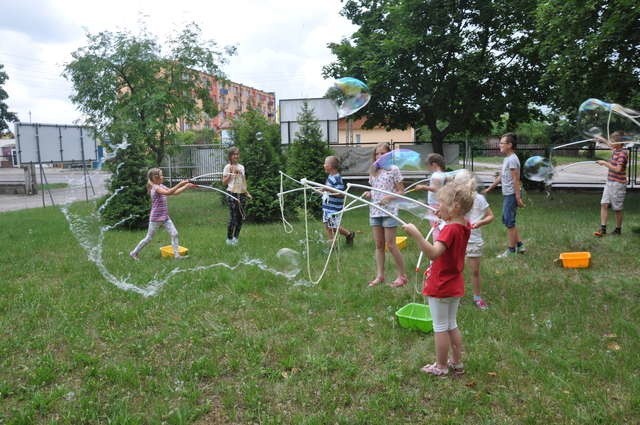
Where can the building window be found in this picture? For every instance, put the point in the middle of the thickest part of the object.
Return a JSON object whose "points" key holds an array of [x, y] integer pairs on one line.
{"points": [[357, 139]]}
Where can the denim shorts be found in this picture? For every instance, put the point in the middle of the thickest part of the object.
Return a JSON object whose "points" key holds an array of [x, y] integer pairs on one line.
{"points": [[385, 221], [509, 208]]}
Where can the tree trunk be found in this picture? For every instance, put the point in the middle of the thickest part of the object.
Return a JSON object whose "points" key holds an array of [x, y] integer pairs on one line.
{"points": [[437, 141]]}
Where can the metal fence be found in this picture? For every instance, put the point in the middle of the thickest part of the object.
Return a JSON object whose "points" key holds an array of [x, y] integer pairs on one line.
{"points": [[581, 173], [209, 160], [191, 161]]}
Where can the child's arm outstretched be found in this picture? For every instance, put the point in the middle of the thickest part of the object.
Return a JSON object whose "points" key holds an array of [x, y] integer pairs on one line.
{"points": [[175, 190], [426, 188], [432, 251], [494, 184]]}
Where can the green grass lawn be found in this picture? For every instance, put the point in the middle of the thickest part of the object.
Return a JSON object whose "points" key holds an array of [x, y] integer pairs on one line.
{"points": [[49, 186], [221, 345]]}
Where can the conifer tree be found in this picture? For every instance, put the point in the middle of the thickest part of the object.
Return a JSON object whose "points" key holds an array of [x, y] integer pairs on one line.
{"points": [[306, 155]]}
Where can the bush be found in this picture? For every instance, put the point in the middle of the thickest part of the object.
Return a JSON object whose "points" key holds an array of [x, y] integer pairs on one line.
{"points": [[129, 177], [254, 135]]}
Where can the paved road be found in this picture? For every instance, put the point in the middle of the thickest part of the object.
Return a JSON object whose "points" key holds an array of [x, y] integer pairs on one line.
{"points": [[578, 174], [75, 191]]}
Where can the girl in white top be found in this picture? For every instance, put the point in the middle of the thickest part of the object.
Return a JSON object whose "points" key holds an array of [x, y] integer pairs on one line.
{"points": [[480, 215], [234, 178], [382, 224], [436, 164]]}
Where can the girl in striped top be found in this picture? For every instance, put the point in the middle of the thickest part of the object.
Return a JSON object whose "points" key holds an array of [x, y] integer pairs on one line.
{"points": [[159, 216]]}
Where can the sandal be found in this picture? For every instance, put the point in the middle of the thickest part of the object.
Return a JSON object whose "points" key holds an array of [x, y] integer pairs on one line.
{"points": [[456, 369], [400, 281], [433, 369], [376, 281]]}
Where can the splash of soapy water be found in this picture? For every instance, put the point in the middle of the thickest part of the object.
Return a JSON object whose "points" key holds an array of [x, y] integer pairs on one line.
{"points": [[90, 234]]}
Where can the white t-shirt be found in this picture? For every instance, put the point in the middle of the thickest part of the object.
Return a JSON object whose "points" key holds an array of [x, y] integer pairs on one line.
{"points": [[238, 182], [476, 214], [438, 179], [385, 180], [509, 163]]}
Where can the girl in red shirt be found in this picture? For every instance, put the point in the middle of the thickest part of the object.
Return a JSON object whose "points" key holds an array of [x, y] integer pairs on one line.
{"points": [[444, 280]]}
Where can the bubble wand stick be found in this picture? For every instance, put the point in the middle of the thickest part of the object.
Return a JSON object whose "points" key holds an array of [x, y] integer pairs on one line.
{"points": [[206, 175], [386, 192], [574, 143], [217, 190], [346, 193]]}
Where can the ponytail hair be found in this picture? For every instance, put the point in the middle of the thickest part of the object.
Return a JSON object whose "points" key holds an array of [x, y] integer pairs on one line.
{"points": [[151, 175]]}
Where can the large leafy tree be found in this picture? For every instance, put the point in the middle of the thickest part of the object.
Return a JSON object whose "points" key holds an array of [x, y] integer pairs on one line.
{"points": [[127, 84], [5, 115], [131, 90], [591, 50], [451, 66]]}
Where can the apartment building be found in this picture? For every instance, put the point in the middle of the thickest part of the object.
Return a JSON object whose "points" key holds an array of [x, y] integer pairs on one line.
{"points": [[352, 132], [233, 99]]}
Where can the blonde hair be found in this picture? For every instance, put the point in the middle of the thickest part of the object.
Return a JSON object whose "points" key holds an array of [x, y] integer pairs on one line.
{"points": [[334, 162], [151, 175], [387, 147], [466, 178], [459, 193]]}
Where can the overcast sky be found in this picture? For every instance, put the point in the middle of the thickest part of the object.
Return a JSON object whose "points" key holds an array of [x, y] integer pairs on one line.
{"points": [[281, 44]]}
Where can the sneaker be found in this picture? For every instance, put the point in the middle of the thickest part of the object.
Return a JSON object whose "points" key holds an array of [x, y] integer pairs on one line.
{"points": [[229, 241], [180, 257], [617, 231], [521, 249], [600, 233], [134, 255], [234, 241], [481, 304], [506, 254], [350, 237]]}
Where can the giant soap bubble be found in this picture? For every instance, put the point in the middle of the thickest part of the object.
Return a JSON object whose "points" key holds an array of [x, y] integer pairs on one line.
{"points": [[597, 118], [401, 158], [537, 169], [288, 262], [350, 95]]}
